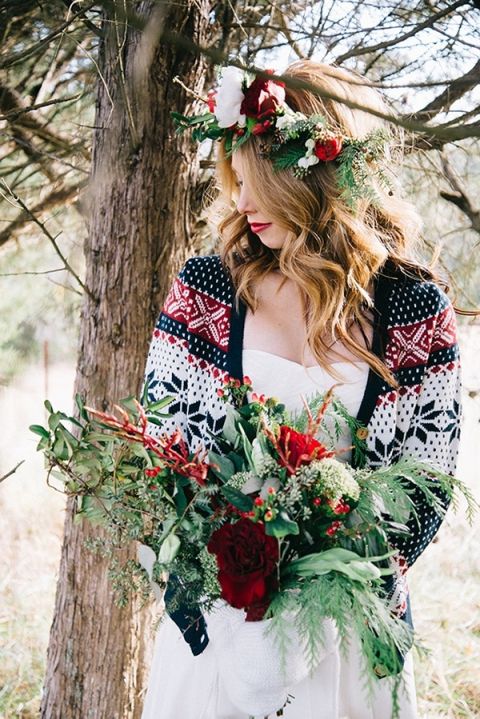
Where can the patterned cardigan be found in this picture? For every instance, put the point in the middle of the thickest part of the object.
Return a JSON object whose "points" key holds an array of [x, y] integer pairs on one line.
{"points": [[198, 339]]}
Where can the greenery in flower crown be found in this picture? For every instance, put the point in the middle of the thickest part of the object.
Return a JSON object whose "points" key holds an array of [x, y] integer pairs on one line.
{"points": [[245, 106]]}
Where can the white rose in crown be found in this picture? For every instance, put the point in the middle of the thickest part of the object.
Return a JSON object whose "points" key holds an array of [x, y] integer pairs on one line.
{"points": [[229, 98]]}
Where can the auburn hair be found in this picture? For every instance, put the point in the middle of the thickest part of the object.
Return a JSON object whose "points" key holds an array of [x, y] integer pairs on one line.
{"points": [[331, 252]]}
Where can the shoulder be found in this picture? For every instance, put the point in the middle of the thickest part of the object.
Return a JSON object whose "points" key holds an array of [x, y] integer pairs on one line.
{"points": [[207, 274], [414, 301]]}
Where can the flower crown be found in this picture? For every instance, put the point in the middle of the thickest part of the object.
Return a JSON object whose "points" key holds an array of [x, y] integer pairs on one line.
{"points": [[243, 106]]}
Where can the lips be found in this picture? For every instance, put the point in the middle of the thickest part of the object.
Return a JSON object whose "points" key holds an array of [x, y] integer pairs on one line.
{"points": [[258, 227]]}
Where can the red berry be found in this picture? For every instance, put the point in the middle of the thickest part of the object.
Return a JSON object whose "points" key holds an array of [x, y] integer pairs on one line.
{"points": [[258, 129], [152, 472], [258, 502]]}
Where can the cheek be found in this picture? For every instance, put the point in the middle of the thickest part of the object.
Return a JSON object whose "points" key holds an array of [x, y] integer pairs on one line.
{"points": [[275, 237]]}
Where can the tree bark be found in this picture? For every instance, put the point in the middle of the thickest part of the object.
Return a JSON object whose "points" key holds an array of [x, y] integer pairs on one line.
{"points": [[138, 236]]}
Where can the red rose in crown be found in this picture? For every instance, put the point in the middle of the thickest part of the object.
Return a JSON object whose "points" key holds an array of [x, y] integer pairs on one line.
{"points": [[327, 150], [263, 98]]}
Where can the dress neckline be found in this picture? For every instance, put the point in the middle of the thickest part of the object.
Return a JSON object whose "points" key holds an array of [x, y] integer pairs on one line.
{"points": [[384, 282], [297, 364]]}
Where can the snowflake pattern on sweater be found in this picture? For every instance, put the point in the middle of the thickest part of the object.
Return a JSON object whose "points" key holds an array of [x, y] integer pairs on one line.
{"points": [[198, 340]]}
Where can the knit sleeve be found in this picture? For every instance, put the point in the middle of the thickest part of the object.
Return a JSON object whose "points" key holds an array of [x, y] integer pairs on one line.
{"points": [[166, 372], [434, 430]]}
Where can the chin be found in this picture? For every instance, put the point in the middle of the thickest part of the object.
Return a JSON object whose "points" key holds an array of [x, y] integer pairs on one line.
{"points": [[275, 243]]}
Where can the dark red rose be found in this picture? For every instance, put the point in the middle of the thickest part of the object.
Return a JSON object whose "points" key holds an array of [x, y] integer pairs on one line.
{"points": [[297, 449], [256, 612], [263, 98], [247, 560], [328, 149]]}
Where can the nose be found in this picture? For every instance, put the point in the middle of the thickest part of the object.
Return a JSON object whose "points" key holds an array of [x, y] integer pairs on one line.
{"points": [[245, 204]]}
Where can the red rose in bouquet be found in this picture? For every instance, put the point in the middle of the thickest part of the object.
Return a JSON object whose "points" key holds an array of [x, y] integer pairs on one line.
{"points": [[247, 559], [328, 149], [295, 449], [263, 98]]}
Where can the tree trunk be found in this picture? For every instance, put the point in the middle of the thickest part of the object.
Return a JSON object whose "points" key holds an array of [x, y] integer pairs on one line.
{"points": [[138, 236]]}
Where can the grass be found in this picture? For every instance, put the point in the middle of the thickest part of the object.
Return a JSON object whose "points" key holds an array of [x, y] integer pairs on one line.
{"points": [[32, 520], [444, 582]]}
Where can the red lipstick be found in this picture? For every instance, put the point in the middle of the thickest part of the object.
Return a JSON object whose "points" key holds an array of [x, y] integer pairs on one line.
{"points": [[259, 226]]}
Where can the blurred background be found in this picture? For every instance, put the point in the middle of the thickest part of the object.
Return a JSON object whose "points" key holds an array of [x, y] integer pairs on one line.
{"points": [[55, 73]]}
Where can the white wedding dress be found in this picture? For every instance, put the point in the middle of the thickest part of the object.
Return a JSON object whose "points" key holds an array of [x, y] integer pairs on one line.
{"points": [[182, 686]]}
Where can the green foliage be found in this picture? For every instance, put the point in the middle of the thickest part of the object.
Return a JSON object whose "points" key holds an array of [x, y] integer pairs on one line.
{"points": [[338, 419], [238, 499], [358, 163], [282, 526], [357, 609], [333, 524], [288, 155]]}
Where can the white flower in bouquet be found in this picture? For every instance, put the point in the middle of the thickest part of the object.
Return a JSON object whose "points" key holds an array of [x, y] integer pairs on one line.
{"points": [[239, 480], [229, 98], [263, 462], [335, 478]]}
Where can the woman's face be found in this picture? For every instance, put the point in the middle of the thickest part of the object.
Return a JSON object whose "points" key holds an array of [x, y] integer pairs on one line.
{"points": [[268, 232]]}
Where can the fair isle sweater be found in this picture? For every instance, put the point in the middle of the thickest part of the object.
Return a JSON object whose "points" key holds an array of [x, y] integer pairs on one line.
{"points": [[198, 339]]}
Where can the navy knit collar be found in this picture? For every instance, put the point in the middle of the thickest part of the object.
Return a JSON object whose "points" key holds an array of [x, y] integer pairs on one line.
{"points": [[376, 385]]}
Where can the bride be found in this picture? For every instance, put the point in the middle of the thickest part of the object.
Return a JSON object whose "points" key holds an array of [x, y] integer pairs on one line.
{"points": [[315, 283]]}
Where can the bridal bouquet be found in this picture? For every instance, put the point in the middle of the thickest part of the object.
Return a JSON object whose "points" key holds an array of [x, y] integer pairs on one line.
{"points": [[274, 523]]}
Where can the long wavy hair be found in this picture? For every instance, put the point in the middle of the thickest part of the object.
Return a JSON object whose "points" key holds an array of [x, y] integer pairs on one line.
{"points": [[330, 252]]}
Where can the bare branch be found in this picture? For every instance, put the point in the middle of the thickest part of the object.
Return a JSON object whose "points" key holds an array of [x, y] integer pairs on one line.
{"points": [[56, 197], [31, 272], [285, 29], [443, 133], [456, 89], [44, 42], [459, 196], [401, 38], [52, 239], [14, 108], [12, 471]]}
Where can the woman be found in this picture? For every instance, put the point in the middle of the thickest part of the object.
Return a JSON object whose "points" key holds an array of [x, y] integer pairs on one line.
{"points": [[316, 282]]}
